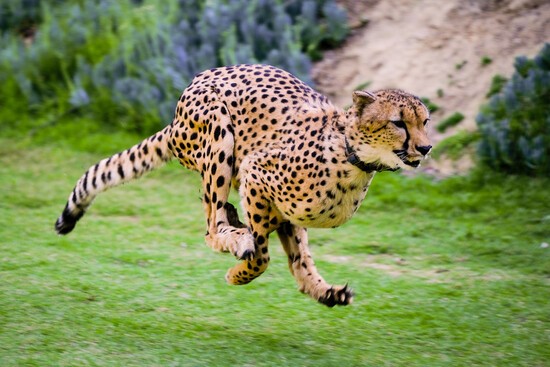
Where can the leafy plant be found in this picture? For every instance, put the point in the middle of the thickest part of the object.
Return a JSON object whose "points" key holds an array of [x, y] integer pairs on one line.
{"points": [[124, 63], [497, 83], [455, 145], [515, 124], [432, 107], [460, 65], [328, 33], [19, 16], [450, 121], [486, 60], [363, 85]]}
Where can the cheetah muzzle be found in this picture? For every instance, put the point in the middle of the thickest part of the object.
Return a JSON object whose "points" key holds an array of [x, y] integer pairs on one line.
{"points": [[297, 161]]}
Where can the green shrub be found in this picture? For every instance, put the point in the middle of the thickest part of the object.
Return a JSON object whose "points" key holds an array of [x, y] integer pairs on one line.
{"points": [[515, 124], [497, 83], [450, 121], [455, 145], [125, 62], [19, 15], [432, 107], [486, 60], [363, 85]]}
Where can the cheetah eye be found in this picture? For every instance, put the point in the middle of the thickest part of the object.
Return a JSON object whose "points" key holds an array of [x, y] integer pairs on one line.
{"points": [[400, 124]]}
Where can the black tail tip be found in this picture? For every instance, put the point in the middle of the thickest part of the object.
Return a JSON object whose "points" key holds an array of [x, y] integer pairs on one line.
{"points": [[67, 221]]}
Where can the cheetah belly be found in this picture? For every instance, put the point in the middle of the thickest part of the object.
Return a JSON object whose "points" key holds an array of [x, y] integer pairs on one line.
{"points": [[326, 212]]}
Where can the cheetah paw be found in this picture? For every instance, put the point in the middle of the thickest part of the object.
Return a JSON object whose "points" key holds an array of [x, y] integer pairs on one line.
{"points": [[238, 241], [338, 295], [243, 245]]}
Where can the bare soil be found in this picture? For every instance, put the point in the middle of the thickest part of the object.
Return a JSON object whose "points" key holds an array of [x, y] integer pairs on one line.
{"points": [[434, 49]]}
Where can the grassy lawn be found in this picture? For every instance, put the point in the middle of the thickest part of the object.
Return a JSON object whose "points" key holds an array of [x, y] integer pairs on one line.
{"points": [[446, 273]]}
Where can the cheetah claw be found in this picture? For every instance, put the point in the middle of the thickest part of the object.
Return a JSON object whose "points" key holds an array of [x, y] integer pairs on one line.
{"points": [[340, 296], [247, 255]]}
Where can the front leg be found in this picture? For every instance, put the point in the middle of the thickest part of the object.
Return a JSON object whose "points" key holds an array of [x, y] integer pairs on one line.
{"points": [[295, 243], [225, 232]]}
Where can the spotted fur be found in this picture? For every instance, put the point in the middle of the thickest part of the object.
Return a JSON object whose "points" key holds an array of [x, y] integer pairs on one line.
{"points": [[297, 160]]}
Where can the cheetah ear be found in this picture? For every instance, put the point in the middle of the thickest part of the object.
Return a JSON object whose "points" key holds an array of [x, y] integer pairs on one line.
{"points": [[361, 98]]}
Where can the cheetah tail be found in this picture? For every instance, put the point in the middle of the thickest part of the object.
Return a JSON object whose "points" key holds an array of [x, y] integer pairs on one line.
{"points": [[122, 167]]}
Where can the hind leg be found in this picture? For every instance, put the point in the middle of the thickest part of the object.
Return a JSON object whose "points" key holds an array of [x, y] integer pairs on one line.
{"points": [[295, 243], [262, 219]]}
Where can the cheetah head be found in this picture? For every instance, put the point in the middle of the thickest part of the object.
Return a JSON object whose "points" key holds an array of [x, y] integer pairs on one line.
{"points": [[388, 129]]}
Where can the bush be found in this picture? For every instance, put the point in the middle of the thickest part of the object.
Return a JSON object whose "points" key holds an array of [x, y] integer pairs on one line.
{"points": [[515, 124], [432, 107], [450, 121], [19, 15], [455, 145], [125, 62], [497, 83]]}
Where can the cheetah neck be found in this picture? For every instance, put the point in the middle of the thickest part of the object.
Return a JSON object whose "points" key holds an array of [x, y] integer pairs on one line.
{"points": [[342, 121]]}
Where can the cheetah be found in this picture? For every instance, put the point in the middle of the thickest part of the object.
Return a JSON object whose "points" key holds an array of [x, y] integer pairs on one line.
{"points": [[296, 160]]}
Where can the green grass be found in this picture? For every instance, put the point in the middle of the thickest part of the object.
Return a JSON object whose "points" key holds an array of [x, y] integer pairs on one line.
{"points": [[446, 273]]}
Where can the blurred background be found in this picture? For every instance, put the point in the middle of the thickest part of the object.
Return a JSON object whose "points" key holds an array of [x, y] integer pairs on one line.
{"points": [[124, 63], [450, 264]]}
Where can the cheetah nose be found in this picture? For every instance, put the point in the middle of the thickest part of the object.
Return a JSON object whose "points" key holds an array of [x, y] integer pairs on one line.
{"points": [[424, 149]]}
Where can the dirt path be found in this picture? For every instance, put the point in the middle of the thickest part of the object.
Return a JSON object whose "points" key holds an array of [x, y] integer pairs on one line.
{"points": [[434, 49]]}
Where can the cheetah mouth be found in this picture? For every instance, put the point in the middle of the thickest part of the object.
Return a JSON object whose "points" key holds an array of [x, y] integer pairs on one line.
{"points": [[402, 154], [412, 163]]}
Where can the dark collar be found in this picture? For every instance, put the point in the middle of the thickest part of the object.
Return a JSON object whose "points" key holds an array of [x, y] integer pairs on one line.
{"points": [[363, 166]]}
